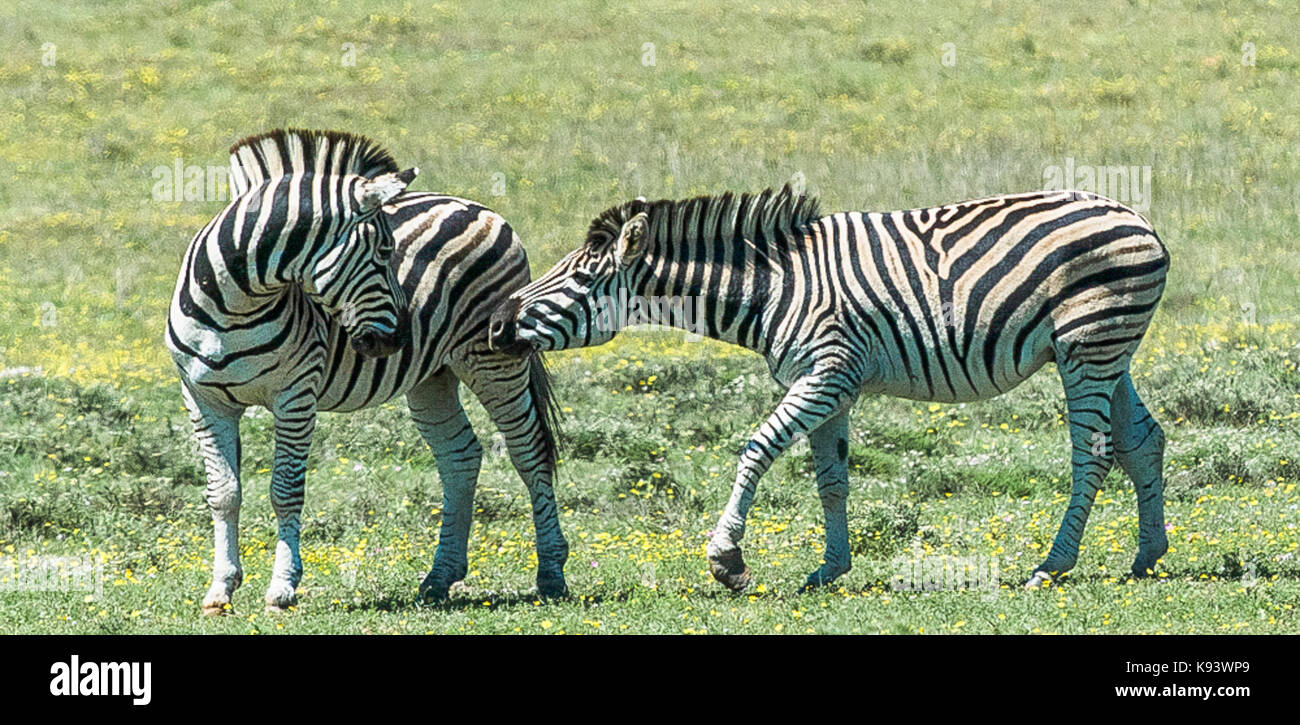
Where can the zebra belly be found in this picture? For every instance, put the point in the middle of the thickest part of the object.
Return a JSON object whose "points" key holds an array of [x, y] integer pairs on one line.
{"points": [[353, 382], [366, 390], [939, 374]]}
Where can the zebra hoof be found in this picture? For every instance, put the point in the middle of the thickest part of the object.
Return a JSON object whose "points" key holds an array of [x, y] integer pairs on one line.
{"points": [[730, 570], [814, 581], [280, 596], [1145, 563], [1040, 579], [217, 603], [434, 591], [217, 610], [551, 588], [825, 574], [1143, 570]]}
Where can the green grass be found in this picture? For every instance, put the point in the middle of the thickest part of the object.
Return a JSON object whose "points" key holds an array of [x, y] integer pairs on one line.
{"points": [[555, 102]]}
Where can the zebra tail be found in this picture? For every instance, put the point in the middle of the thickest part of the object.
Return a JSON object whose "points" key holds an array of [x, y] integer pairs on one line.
{"points": [[548, 411]]}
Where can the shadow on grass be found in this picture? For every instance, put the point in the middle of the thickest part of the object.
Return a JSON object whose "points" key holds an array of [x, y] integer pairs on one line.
{"points": [[463, 599]]}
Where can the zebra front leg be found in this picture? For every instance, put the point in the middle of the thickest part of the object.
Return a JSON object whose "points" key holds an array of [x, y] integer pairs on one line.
{"points": [[1088, 393], [807, 404], [295, 419], [217, 429], [438, 414], [830, 448], [515, 393], [1140, 450]]}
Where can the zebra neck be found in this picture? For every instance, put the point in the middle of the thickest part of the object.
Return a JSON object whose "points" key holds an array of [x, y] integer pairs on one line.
{"points": [[245, 280], [724, 300]]}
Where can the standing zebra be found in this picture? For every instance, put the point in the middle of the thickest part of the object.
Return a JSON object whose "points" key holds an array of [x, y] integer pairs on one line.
{"points": [[323, 287], [956, 303]]}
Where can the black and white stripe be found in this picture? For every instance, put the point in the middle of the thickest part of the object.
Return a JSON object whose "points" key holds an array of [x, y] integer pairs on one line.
{"points": [[955, 303], [324, 287]]}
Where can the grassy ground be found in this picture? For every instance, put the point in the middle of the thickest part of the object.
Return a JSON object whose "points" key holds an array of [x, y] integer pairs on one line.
{"points": [[552, 113]]}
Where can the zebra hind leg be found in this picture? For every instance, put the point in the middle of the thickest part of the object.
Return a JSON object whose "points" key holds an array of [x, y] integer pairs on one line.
{"points": [[438, 414], [517, 402], [217, 431], [830, 448], [1088, 391], [1140, 451], [295, 421]]}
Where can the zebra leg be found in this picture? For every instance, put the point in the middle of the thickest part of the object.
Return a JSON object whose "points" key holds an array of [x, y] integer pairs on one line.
{"points": [[295, 419], [1088, 391], [830, 448], [440, 418], [807, 404], [504, 386], [1140, 450], [217, 429]]}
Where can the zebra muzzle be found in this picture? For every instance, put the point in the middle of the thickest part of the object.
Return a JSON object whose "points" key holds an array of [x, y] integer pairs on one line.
{"points": [[503, 332], [372, 342]]}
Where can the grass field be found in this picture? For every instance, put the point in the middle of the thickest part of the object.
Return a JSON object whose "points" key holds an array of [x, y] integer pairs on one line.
{"points": [[549, 113]]}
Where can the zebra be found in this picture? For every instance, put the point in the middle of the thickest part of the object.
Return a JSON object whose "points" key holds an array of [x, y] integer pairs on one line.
{"points": [[324, 286], [950, 304]]}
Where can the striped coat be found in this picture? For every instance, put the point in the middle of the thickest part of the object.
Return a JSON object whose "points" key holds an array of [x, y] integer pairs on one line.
{"points": [[955, 303], [305, 295]]}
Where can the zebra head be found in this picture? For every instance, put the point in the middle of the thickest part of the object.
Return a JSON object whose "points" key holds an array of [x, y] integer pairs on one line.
{"points": [[352, 277], [568, 306]]}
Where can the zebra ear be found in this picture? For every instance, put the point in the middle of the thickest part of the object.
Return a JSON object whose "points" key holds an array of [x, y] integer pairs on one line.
{"points": [[381, 189], [631, 241]]}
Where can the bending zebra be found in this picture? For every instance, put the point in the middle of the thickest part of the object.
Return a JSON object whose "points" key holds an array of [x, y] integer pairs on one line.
{"points": [[955, 303], [323, 287]]}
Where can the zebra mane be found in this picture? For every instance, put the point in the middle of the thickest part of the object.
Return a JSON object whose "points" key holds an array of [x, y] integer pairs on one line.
{"points": [[286, 151], [756, 218]]}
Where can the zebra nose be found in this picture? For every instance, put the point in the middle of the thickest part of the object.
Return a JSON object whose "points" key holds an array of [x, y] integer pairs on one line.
{"points": [[365, 343], [370, 343], [501, 327]]}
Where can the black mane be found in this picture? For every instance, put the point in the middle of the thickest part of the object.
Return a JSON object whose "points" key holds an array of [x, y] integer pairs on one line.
{"points": [[256, 158], [752, 217]]}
